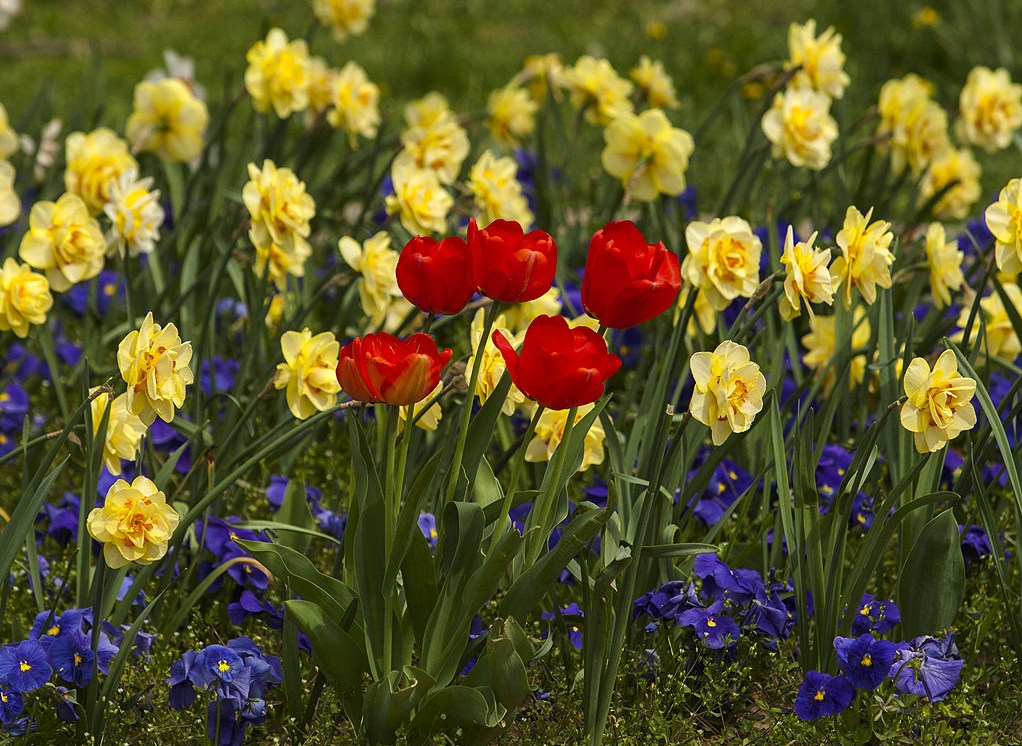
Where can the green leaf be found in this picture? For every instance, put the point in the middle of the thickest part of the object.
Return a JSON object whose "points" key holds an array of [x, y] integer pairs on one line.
{"points": [[420, 585], [659, 551], [485, 487], [932, 582], [294, 511], [407, 519], [388, 705], [455, 708]]}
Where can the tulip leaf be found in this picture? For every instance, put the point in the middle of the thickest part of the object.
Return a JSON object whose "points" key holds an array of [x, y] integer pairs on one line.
{"points": [[932, 582], [482, 426], [420, 587], [485, 487], [407, 519], [388, 705], [457, 708], [660, 551], [294, 511]]}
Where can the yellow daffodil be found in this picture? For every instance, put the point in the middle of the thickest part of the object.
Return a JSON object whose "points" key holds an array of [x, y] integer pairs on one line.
{"points": [[990, 109], [10, 203], [821, 347], [806, 276], [168, 119], [493, 366], [354, 103], [1004, 219], [647, 154], [8, 137], [440, 145], [550, 432], [913, 128], [728, 390], [865, 261], [819, 60], [426, 111], [655, 84], [1001, 339], [595, 85], [800, 128], [512, 114], [309, 372], [135, 215], [95, 161], [281, 211], [497, 192], [65, 241], [135, 524], [155, 364], [723, 259], [955, 173], [520, 315], [428, 421], [344, 17], [24, 298], [321, 88], [124, 430], [939, 405], [945, 262], [419, 200], [377, 262], [277, 76], [543, 74]]}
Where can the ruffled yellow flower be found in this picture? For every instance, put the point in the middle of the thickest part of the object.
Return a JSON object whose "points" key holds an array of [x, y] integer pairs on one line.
{"points": [[866, 259], [728, 390], [655, 83], [168, 119], [704, 315], [543, 74], [497, 192], [958, 170], [799, 127], [440, 146], [419, 200], [321, 88], [10, 203], [723, 259], [309, 372], [135, 524], [278, 74], [8, 137], [1001, 339], [595, 85], [820, 60], [512, 114], [135, 215], [355, 103], [647, 154], [945, 262], [821, 347], [24, 298], [806, 276], [1004, 219], [520, 315], [939, 406], [64, 240], [493, 362], [427, 111], [154, 362], [550, 432], [430, 420], [124, 430], [990, 109], [913, 127], [344, 17], [281, 211], [378, 264], [95, 161], [275, 312]]}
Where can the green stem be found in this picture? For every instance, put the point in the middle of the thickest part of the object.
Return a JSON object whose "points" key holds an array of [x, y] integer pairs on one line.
{"points": [[49, 345], [392, 501], [516, 473], [547, 502]]}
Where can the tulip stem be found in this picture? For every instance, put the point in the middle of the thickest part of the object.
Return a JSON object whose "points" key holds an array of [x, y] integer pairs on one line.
{"points": [[466, 410], [547, 501], [516, 473], [392, 498]]}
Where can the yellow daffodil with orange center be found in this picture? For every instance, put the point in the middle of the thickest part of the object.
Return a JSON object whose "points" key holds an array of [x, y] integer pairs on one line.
{"points": [[1004, 219], [955, 175], [866, 259], [155, 364], [277, 76], [419, 200], [945, 262], [344, 17], [377, 262], [1001, 340], [95, 161], [135, 215], [723, 259], [990, 107], [440, 146], [64, 240], [728, 390], [497, 192], [655, 84], [168, 119], [821, 348], [10, 203], [309, 372], [512, 114], [806, 276], [135, 524], [24, 298], [647, 154], [913, 128], [596, 88], [354, 103], [550, 432], [800, 128], [492, 366], [124, 430], [939, 405], [819, 60], [281, 211]]}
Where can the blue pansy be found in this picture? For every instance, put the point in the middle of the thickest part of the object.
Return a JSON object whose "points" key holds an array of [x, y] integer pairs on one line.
{"points": [[975, 544], [821, 695], [574, 633], [12, 704], [716, 630], [865, 660], [740, 584], [427, 524], [927, 666], [875, 616], [24, 667], [71, 657], [667, 602]]}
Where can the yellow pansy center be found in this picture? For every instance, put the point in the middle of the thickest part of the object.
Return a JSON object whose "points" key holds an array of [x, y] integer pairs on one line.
{"points": [[223, 666], [25, 666], [819, 696], [867, 660], [710, 622]]}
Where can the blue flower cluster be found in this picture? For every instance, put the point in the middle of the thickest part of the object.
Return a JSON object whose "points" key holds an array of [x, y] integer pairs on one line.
{"points": [[238, 675]]}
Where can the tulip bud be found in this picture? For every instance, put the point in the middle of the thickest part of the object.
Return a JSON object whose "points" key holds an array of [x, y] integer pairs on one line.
{"points": [[509, 265], [433, 275]]}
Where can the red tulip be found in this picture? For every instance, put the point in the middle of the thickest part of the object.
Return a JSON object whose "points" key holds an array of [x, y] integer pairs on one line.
{"points": [[509, 265], [382, 368], [433, 275], [628, 281], [559, 367]]}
